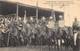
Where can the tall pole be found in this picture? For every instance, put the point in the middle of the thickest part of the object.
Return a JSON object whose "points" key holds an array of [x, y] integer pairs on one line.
{"points": [[0, 8], [37, 12], [17, 12], [52, 9]]}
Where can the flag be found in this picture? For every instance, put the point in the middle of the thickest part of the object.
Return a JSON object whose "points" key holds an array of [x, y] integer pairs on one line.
{"points": [[25, 21]]}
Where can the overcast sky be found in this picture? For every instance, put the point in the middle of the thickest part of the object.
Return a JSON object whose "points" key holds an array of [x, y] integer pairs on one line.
{"points": [[71, 11]]}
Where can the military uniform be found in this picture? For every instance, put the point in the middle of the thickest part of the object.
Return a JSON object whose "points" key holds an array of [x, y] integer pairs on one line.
{"points": [[76, 32]]}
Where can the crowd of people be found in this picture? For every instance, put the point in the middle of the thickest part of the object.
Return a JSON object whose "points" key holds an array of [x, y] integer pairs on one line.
{"points": [[23, 32]]}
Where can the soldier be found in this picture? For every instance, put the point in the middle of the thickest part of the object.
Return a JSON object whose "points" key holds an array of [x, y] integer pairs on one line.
{"points": [[26, 31], [20, 33], [43, 26], [12, 34], [76, 35], [2, 31], [38, 28], [60, 27], [33, 31]]}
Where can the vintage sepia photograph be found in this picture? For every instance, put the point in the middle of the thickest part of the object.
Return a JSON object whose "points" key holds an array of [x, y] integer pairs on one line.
{"points": [[39, 25]]}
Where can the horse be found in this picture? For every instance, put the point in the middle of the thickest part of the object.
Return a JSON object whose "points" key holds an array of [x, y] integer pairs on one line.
{"points": [[67, 39]]}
